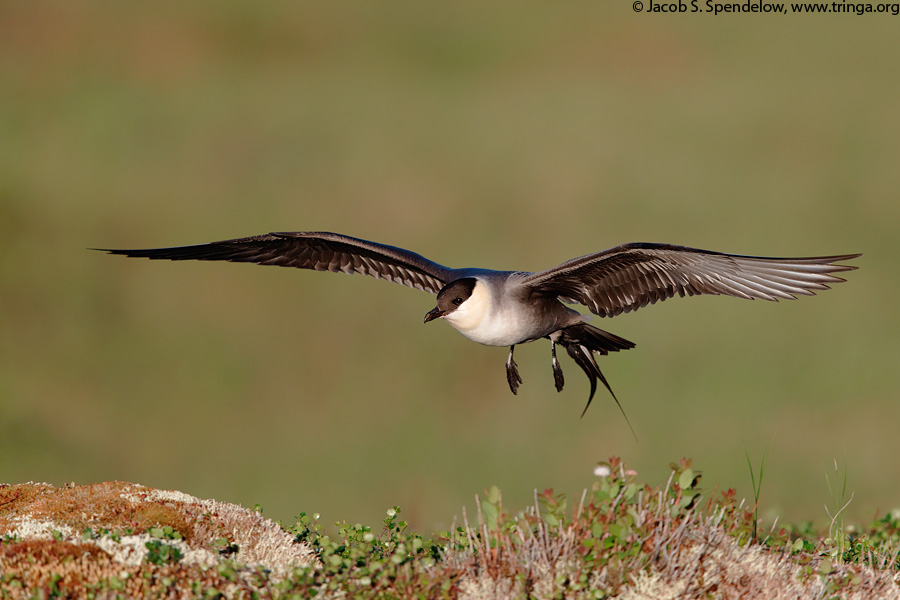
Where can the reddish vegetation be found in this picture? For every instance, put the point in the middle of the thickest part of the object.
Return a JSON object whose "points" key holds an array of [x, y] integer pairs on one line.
{"points": [[68, 541]]}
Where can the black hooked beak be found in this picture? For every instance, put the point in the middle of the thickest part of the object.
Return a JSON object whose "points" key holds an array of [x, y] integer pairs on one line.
{"points": [[433, 314]]}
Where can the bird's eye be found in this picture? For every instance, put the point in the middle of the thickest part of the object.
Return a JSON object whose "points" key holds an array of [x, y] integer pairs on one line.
{"points": [[457, 301]]}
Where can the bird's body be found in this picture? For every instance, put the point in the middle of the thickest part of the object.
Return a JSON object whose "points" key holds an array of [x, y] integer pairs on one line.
{"points": [[502, 312], [506, 308]]}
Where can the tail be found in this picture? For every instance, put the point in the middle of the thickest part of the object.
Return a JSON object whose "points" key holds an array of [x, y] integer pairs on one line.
{"points": [[581, 341]]}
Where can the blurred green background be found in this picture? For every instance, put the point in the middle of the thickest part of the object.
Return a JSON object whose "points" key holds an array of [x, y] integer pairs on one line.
{"points": [[504, 135]]}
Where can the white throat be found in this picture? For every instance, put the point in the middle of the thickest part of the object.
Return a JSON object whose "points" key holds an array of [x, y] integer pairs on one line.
{"points": [[492, 320], [469, 316]]}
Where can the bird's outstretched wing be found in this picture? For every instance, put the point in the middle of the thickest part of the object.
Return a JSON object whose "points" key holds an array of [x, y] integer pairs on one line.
{"points": [[628, 277], [319, 251]]}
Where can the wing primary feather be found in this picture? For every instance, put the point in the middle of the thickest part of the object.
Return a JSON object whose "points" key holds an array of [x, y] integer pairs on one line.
{"points": [[631, 276], [319, 251]]}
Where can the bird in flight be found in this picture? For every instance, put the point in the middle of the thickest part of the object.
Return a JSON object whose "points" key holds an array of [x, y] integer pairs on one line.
{"points": [[506, 308]]}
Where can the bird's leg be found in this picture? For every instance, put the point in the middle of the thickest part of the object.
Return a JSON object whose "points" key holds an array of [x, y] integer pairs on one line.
{"points": [[512, 371], [557, 370]]}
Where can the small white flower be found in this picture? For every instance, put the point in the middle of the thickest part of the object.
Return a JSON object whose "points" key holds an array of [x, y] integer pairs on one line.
{"points": [[391, 512], [601, 471]]}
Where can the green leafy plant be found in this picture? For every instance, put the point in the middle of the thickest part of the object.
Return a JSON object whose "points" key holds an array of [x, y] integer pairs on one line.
{"points": [[160, 553]]}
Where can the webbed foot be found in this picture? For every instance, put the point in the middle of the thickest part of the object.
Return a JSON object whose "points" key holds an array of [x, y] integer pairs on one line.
{"points": [[557, 370], [512, 372]]}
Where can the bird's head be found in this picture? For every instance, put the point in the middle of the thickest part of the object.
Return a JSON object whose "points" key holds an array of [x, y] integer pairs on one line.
{"points": [[452, 298]]}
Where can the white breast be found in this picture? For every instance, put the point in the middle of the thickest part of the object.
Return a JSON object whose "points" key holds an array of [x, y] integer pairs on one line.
{"points": [[493, 321]]}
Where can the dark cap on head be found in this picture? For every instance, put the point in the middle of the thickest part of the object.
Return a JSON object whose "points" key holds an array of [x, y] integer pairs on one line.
{"points": [[451, 297]]}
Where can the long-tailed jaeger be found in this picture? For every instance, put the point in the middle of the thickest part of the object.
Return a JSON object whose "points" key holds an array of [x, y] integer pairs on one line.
{"points": [[505, 308]]}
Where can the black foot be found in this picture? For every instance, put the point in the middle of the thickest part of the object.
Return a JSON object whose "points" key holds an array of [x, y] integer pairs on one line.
{"points": [[557, 370], [512, 372]]}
